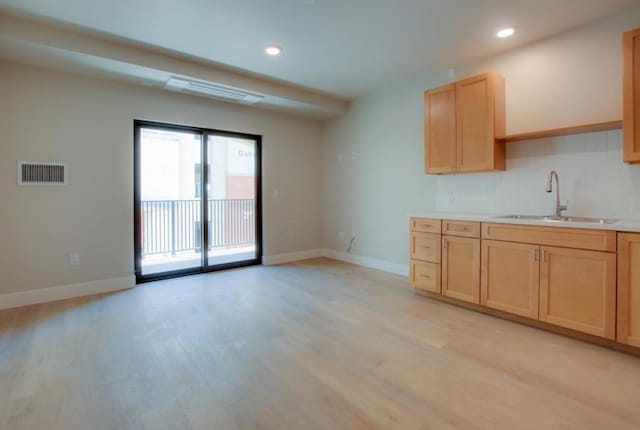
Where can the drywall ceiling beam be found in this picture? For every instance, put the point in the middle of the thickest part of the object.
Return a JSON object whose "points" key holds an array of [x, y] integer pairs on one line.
{"points": [[38, 32]]}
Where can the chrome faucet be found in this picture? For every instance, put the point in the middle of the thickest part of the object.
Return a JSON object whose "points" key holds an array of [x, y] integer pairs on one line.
{"points": [[558, 208]]}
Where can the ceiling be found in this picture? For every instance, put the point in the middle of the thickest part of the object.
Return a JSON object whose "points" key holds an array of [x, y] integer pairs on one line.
{"points": [[345, 48]]}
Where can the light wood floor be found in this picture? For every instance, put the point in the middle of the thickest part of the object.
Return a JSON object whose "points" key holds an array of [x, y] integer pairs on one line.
{"points": [[313, 345]]}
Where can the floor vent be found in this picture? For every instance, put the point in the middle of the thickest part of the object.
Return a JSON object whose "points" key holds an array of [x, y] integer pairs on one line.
{"points": [[38, 173]]}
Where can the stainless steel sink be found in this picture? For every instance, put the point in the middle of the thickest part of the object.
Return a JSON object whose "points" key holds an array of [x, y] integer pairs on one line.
{"points": [[558, 219]]}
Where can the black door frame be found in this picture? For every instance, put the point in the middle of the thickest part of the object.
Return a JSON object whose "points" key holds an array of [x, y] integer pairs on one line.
{"points": [[204, 180]]}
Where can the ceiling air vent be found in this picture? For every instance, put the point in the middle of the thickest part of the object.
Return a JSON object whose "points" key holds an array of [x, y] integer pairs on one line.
{"points": [[37, 173], [212, 90]]}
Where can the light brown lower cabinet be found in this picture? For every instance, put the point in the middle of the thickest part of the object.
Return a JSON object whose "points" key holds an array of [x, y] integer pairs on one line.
{"points": [[425, 276], [578, 290], [510, 277], [425, 246], [571, 278], [629, 289], [461, 268]]}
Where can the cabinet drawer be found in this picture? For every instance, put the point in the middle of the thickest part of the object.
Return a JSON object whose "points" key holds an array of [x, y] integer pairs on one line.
{"points": [[461, 228], [597, 240], [426, 225], [426, 247], [425, 276]]}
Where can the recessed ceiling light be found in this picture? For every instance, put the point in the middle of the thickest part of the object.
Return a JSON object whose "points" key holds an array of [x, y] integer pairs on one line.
{"points": [[273, 50], [506, 32]]}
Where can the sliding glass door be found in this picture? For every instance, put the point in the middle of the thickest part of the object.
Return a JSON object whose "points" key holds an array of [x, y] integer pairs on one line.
{"points": [[175, 191], [232, 198], [170, 209]]}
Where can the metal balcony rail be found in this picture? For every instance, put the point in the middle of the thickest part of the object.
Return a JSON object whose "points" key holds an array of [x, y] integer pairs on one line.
{"points": [[171, 226]]}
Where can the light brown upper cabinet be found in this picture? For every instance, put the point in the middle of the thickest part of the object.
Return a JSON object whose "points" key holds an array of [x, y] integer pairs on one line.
{"points": [[440, 130], [464, 125], [629, 289], [631, 96]]}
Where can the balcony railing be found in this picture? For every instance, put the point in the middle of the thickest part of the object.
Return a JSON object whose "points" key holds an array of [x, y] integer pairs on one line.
{"points": [[171, 226]]}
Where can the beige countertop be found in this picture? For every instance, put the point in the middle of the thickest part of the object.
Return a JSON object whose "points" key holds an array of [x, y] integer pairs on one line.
{"points": [[619, 225]]}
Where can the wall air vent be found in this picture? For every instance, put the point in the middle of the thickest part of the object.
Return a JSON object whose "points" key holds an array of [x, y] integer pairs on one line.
{"points": [[212, 90], [37, 173]]}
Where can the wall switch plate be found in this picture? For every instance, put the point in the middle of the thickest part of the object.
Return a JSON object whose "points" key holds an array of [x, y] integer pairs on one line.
{"points": [[74, 259]]}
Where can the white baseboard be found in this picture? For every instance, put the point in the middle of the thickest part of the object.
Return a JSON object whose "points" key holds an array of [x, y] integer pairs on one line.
{"points": [[269, 260], [61, 292], [373, 263]]}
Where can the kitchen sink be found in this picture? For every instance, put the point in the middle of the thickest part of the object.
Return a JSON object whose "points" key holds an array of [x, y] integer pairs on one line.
{"points": [[558, 219]]}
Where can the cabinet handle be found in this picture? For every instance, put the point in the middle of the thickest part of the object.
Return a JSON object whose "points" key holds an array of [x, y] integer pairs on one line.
{"points": [[444, 242], [544, 256], [425, 276], [533, 254]]}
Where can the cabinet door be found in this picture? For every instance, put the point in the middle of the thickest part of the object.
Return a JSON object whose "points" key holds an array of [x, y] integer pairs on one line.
{"points": [[425, 276], [510, 277], [476, 146], [440, 130], [578, 290], [425, 246], [631, 96], [461, 268], [629, 289]]}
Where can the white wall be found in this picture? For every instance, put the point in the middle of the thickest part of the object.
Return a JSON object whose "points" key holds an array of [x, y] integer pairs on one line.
{"points": [[373, 173], [49, 116], [571, 79]]}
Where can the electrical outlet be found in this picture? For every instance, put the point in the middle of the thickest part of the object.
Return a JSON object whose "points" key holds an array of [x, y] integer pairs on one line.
{"points": [[452, 201], [74, 259], [353, 239], [635, 204], [341, 235]]}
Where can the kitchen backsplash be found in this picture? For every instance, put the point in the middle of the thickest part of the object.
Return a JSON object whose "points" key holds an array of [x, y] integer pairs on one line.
{"points": [[593, 179]]}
